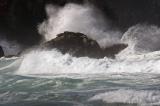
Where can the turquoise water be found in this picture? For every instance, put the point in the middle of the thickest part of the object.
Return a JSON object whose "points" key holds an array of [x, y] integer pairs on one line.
{"points": [[20, 90]]}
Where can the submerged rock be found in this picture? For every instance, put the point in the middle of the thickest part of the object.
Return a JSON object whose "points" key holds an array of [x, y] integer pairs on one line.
{"points": [[1, 52], [79, 45]]}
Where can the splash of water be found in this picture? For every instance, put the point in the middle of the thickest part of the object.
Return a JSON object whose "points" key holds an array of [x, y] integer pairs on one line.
{"points": [[141, 39], [90, 21], [10, 47], [79, 18], [52, 63]]}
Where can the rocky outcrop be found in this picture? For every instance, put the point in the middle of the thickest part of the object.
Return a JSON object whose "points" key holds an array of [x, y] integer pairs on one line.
{"points": [[79, 45], [1, 52]]}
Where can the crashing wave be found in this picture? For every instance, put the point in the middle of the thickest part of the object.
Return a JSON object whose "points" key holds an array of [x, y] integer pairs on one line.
{"points": [[85, 19], [142, 39]]}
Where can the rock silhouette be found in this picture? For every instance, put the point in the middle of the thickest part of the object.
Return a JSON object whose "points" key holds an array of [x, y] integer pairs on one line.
{"points": [[1, 52], [79, 45]]}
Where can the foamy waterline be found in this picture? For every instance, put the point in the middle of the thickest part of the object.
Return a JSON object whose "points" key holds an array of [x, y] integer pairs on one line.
{"points": [[53, 63]]}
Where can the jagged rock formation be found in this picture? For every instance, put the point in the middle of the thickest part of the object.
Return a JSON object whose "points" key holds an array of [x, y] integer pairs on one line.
{"points": [[79, 45], [1, 52]]}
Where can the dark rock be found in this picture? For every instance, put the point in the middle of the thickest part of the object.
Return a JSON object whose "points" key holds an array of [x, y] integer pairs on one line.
{"points": [[1, 52], [114, 49], [79, 45]]}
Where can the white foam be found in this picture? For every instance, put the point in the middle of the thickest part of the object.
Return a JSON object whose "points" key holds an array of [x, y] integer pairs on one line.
{"points": [[141, 39], [53, 62], [10, 47], [79, 18], [140, 97]]}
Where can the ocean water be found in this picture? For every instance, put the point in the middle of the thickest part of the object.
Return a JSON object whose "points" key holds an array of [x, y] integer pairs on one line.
{"points": [[48, 78]]}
